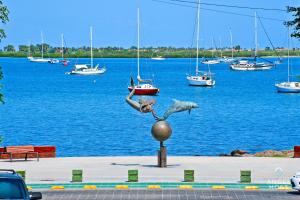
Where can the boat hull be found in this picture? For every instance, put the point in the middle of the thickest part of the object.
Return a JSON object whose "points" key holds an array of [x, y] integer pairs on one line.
{"points": [[86, 73], [211, 62], [41, 60], [288, 87], [199, 81], [84, 69], [53, 61], [249, 68], [158, 58], [144, 91]]}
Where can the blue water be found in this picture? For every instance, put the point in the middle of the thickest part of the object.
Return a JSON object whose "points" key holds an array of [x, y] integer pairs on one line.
{"points": [[86, 116]]}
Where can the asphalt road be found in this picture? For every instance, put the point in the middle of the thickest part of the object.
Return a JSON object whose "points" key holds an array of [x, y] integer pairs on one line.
{"points": [[170, 194]]}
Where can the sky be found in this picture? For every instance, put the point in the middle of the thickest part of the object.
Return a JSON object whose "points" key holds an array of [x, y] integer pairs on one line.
{"points": [[162, 24]]}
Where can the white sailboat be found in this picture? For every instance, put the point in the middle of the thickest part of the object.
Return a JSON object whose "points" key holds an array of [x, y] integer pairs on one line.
{"points": [[144, 87], [29, 56], [88, 69], [212, 61], [42, 59], [227, 59], [158, 58], [288, 86], [245, 65], [200, 78]]}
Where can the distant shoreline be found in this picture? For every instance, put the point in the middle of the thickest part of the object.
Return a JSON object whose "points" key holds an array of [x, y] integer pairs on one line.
{"points": [[151, 53], [2, 56]]}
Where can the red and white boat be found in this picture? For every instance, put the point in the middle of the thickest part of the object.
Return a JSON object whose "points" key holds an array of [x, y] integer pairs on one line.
{"points": [[144, 87]]}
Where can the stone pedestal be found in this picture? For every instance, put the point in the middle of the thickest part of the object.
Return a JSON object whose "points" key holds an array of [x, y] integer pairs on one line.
{"points": [[162, 156], [161, 131]]}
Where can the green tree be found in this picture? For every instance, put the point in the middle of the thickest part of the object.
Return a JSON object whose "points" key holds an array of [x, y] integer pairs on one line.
{"points": [[296, 22], [23, 48], [237, 47], [4, 18], [9, 48]]}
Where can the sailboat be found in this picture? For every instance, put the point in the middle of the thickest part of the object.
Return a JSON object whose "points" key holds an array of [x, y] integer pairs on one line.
{"points": [[158, 58], [288, 87], [144, 87], [64, 61], [245, 65], [88, 69], [42, 59], [200, 78], [212, 61], [29, 56], [227, 59], [55, 61]]}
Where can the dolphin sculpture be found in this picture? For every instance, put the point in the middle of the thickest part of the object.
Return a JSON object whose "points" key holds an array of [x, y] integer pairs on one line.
{"points": [[177, 106]]}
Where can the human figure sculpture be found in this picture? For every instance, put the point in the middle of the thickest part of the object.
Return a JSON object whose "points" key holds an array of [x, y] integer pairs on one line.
{"points": [[146, 106]]}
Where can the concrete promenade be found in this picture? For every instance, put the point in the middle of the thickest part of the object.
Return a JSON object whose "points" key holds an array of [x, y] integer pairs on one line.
{"points": [[114, 169]]}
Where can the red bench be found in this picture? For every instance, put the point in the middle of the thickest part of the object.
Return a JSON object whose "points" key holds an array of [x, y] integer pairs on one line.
{"points": [[11, 150]]}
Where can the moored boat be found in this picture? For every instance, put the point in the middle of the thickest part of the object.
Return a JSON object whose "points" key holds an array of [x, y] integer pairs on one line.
{"points": [[85, 69], [288, 86], [245, 65], [144, 87], [42, 59], [200, 78], [253, 65], [88, 69], [158, 58], [53, 61]]}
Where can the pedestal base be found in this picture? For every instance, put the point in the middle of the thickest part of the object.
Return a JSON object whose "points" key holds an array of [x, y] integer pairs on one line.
{"points": [[162, 156]]}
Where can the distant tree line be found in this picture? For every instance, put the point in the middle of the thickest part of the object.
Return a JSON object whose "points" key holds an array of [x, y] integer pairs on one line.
{"points": [[120, 52]]}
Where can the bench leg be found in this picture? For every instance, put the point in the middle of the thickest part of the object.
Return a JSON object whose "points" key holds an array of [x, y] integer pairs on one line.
{"points": [[26, 155], [38, 156], [10, 157]]}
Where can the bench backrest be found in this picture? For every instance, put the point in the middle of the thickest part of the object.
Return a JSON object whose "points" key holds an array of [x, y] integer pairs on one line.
{"points": [[19, 149]]}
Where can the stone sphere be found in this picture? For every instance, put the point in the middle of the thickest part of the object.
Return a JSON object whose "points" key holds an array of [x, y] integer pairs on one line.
{"points": [[161, 130]]}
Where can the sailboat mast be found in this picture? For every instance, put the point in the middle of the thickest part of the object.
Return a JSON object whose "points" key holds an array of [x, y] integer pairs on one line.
{"points": [[198, 24], [289, 38], [91, 32], [42, 38], [231, 43], [221, 47], [29, 52], [255, 29], [138, 44], [62, 46], [213, 47]]}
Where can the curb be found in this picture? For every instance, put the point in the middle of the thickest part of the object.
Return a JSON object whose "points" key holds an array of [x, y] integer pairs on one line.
{"points": [[158, 185]]}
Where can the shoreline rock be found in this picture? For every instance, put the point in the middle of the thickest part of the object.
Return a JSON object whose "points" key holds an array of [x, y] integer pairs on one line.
{"points": [[267, 153]]}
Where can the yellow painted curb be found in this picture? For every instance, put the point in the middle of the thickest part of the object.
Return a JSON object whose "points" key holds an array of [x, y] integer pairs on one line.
{"points": [[185, 187], [153, 186], [29, 188], [90, 187], [284, 188], [251, 187], [218, 187], [57, 187], [121, 187]]}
